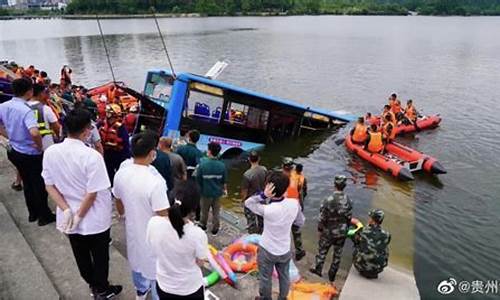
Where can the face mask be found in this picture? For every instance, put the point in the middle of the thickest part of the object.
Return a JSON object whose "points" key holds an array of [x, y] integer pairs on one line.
{"points": [[153, 156]]}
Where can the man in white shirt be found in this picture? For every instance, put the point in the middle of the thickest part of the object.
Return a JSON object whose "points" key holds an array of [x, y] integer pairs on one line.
{"points": [[274, 251], [48, 123], [76, 179], [141, 193]]}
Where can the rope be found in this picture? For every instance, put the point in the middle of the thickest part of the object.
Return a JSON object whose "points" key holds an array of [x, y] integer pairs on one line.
{"points": [[163, 41], [105, 48]]}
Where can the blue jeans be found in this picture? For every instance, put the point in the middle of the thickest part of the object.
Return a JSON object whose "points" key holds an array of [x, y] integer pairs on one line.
{"points": [[144, 285], [266, 262]]}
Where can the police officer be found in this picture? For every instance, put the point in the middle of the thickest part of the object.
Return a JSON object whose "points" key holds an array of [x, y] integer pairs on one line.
{"points": [[370, 247], [334, 220]]}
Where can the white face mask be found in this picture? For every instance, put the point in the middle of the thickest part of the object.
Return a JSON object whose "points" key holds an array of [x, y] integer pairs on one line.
{"points": [[153, 155]]}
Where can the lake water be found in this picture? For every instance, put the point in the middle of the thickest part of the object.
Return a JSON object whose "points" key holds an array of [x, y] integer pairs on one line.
{"points": [[441, 227]]}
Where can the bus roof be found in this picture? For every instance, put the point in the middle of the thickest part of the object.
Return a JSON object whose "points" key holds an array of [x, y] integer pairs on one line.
{"points": [[227, 86]]}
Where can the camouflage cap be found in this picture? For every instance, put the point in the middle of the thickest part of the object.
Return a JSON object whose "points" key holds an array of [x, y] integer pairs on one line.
{"points": [[340, 180], [377, 215], [287, 162]]}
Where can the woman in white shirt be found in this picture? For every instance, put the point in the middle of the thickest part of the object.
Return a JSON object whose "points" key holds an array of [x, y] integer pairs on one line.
{"points": [[180, 247]]}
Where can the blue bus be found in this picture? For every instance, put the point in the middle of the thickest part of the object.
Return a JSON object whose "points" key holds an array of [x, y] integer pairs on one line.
{"points": [[239, 119]]}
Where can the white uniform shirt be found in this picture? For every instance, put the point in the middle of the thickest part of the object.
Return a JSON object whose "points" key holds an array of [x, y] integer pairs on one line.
{"points": [[143, 191], [278, 220], [48, 117], [176, 269], [76, 170]]}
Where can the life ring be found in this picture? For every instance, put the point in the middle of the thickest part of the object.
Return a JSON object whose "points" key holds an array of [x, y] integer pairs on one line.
{"points": [[356, 226], [238, 265]]}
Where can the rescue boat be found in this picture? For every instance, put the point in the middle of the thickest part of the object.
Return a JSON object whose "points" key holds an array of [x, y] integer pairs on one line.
{"points": [[399, 160], [427, 122]]}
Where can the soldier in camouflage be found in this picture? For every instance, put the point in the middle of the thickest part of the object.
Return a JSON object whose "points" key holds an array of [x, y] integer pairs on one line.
{"points": [[335, 217], [370, 247]]}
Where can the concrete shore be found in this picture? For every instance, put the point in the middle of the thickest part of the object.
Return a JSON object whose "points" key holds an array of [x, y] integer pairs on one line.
{"points": [[37, 262]]}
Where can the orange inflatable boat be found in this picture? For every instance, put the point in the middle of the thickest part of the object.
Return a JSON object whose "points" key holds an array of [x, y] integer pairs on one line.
{"points": [[399, 161], [427, 122]]}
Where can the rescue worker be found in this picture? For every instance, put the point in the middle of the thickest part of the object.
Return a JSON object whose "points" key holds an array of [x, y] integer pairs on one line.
{"points": [[115, 140], [375, 141], [301, 182], [130, 119], [411, 113], [292, 192], [388, 111], [388, 130], [371, 253], [111, 94], [396, 107], [48, 121], [370, 119], [334, 219], [359, 133]]}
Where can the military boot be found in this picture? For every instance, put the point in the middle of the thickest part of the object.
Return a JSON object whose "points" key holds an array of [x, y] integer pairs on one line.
{"points": [[316, 271]]}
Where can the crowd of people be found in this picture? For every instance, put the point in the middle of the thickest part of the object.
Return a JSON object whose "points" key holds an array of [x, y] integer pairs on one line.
{"points": [[165, 190], [374, 132]]}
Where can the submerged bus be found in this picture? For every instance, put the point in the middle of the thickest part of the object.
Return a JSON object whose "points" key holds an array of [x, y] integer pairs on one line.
{"points": [[239, 119]]}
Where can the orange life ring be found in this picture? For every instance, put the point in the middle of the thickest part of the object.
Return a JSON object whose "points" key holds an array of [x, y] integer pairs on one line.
{"points": [[244, 248]]}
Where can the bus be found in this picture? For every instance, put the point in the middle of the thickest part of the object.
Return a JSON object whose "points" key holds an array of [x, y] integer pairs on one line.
{"points": [[238, 119]]}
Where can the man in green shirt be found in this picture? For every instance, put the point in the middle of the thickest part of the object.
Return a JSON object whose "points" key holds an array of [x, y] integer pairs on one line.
{"points": [[190, 153], [211, 177]]}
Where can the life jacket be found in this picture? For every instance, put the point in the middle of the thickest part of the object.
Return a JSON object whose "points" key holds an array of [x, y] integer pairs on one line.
{"points": [[298, 180], [396, 107], [111, 94], [373, 120], [292, 191], [376, 143], [129, 122], [390, 112], [392, 135], [38, 110], [110, 138], [411, 113], [359, 135]]}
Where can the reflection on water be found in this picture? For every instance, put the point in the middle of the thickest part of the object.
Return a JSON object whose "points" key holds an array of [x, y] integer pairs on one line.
{"points": [[445, 225]]}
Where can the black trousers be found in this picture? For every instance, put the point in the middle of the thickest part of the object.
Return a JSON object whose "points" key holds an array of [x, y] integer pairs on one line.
{"points": [[92, 257], [198, 295], [35, 195], [113, 160]]}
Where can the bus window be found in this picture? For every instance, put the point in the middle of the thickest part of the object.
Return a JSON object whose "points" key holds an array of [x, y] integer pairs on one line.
{"points": [[203, 107], [159, 86], [247, 116]]}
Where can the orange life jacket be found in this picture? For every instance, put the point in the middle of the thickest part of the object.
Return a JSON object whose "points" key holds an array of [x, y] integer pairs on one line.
{"points": [[393, 116], [396, 107], [374, 120], [411, 113], [298, 179], [359, 135], [376, 143], [293, 188], [111, 94], [389, 135], [110, 138]]}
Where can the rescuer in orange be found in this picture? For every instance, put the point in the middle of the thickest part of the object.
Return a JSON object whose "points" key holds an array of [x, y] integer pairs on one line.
{"points": [[370, 119], [375, 141], [359, 133], [388, 130]]}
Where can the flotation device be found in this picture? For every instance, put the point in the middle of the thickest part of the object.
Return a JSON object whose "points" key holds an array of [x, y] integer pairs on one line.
{"points": [[376, 143], [215, 265], [356, 226], [311, 291], [110, 137], [392, 135], [396, 107], [399, 160], [385, 163], [244, 250], [429, 165], [292, 191], [360, 133], [254, 239], [411, 113], [428, 122], [222, 266], [211, 279]]}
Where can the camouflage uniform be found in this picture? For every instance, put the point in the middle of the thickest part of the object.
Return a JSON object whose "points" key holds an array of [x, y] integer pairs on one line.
{"points": [[370, 254], [335, 216]]}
